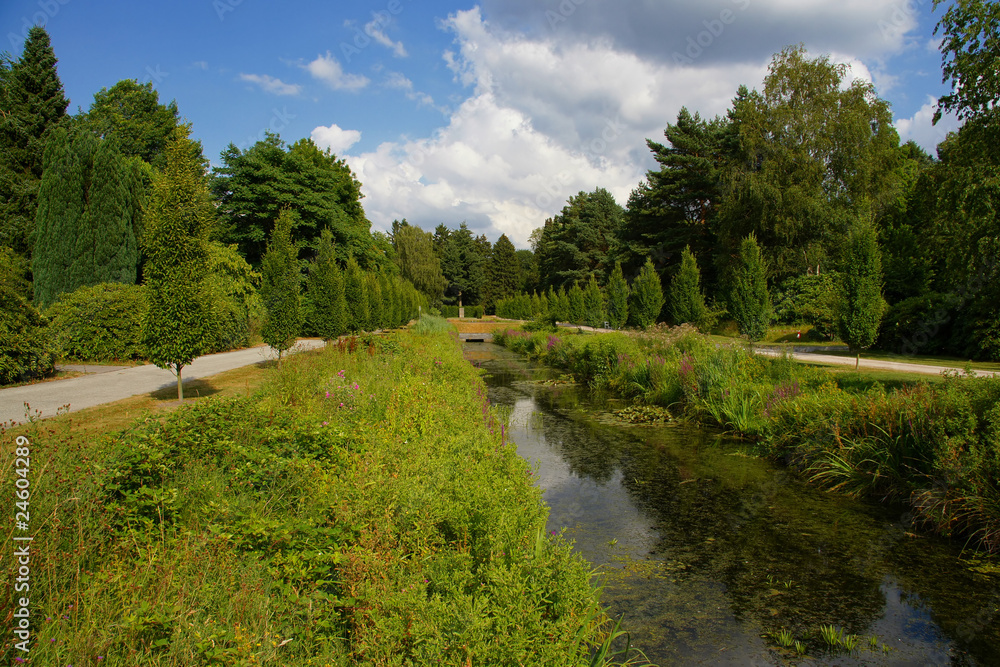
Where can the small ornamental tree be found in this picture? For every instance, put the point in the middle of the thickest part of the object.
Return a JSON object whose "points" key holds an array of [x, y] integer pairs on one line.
{"points": [[593, 304], [861, 305], [577, 307], [326, 290], [177, 324], [281, 286], [687, 303], [356, 293], [618, 292], [749, 301], [647, 296]]}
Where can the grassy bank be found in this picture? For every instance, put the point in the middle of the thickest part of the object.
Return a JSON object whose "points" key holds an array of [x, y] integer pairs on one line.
{"points": [[361, 507], [935, 447]]}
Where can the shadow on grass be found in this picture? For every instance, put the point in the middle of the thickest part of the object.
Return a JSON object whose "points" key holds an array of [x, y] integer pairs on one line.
{"points": [[192, 389]]}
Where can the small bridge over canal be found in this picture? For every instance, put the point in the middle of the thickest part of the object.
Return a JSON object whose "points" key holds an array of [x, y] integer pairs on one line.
{"points": [[476, 337]]}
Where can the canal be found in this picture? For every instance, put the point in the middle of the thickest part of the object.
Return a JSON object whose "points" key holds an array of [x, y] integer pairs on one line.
{"points": [[714, 557]]}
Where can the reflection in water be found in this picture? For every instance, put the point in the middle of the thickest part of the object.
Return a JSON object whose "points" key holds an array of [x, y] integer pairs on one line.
{"points": [[706, 551]]}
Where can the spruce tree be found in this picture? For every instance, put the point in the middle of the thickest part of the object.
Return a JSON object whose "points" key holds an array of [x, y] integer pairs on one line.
{"points": [[647, 296], [90, 203], [577, 307], [326, 291], [356, 293], [593, 304], [749, 301], [280, 286], [32, 101], [503, 275], [618, 293], [178, 321], [861, 306], [687, 303]]}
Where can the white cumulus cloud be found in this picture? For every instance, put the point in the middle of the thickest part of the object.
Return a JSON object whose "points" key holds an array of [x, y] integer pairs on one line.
{"points": [[271, 85], [328, 70], [375, 31], [335, 138], [920, 129]]}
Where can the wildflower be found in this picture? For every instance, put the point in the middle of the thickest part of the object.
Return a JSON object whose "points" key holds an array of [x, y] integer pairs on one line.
{"points": [[328, 394], [326, 423]]}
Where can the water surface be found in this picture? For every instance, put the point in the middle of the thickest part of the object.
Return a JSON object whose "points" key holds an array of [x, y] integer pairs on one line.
{"points": [[706, 551]]}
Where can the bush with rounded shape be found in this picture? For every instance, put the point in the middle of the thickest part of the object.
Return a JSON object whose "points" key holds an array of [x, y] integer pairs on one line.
{"points": [[25, 352], [100, 323]]}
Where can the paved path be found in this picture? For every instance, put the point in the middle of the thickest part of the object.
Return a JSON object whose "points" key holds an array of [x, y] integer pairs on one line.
{"points": [[870, 363], [45, 398]]}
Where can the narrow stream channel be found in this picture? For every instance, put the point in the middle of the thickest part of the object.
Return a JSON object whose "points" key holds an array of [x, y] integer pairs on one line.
{"points": [[706, 551]]}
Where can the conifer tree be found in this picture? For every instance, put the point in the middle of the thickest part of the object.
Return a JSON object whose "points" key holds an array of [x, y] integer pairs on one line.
{"points": [[618, 293], [178, 323], [32, 101], [749, 301], [687, 303], [593, 304], [89, 207], [647, 296], [356, 293], [861, 306], [281, 286], [326, 290], [503, 274]]}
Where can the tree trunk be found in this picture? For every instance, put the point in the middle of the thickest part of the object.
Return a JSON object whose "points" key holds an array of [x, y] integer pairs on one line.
{"points": [[857, 362], [180, 385]]}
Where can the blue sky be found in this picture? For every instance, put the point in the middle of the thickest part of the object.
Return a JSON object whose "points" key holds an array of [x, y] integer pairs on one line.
{"points": [[492, 113]]}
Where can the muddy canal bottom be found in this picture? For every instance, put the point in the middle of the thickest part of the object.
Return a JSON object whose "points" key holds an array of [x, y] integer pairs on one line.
{"points": [[714, 557]]}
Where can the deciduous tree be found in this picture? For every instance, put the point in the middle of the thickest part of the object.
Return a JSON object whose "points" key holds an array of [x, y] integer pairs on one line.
{"points": [[861, 304], [281, 284], [749, 300], [177, 323], [326, 291], [618, 293]]}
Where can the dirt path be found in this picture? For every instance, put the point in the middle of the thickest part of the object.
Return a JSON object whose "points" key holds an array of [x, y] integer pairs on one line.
{"points": [[44, 399], [875, 364]]}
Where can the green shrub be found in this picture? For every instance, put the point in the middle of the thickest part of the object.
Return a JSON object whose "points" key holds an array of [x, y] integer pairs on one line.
{"points": [[237, 310], [100, 323], [808, 300], [25, 351], [919, 325]]}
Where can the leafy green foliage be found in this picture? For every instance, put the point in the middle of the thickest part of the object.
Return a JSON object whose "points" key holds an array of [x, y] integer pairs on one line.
{"points": [[647, 297], [576, 243], [252, 187], [417, 261], [178, 323], [100, 323], [861, 306], [577, 306], [813, 156], [231, 288], [503, 273], [749, 301], [810, 300], [618, 297], [281, 285], [130, 118], [356, 294], [970, 57], [25, 350], [328, 312], [687, 303], [594, 311]]}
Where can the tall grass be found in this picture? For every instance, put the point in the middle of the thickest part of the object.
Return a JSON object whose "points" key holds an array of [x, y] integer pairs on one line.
{"points": [[935, 447], [363, 508]]}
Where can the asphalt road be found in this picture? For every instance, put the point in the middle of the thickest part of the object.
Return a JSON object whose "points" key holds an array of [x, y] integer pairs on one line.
{"points": [[44, 399]]}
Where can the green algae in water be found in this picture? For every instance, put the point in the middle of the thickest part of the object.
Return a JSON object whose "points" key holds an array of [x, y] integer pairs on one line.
{"points": [[709, 553]]}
